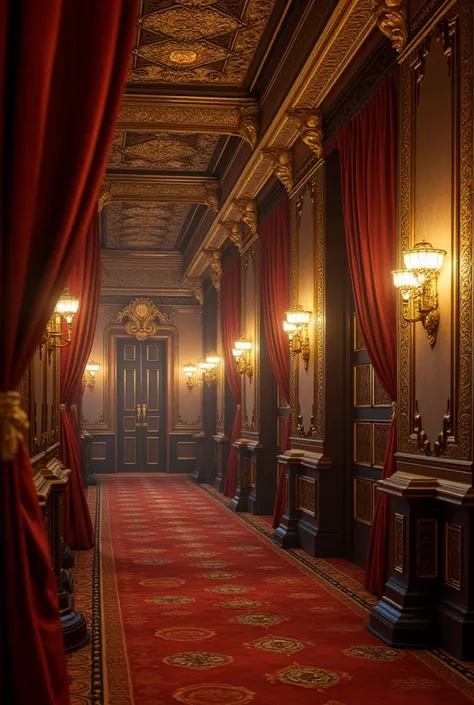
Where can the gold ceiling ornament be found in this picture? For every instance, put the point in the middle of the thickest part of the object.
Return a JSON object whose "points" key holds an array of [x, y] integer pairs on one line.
{"points": [[249, 124], [196, 285], [143, 314], [215, 264], [105, 194], [311, 129], [13, 425], [247, 208], [234, 233], [282, 165], [392, 21], [212, 197]]}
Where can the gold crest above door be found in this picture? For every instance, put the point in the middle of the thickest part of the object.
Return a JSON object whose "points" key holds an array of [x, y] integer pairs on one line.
{"points": [[144, 317]]}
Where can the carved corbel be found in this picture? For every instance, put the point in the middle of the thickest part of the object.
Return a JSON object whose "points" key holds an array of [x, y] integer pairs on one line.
{"points": [[247, 208], [249, 124], [196, 285], [311, 129], [282, 163], [215, 264], [105, 194], [234, 233], [212, 198], [392, 21]]}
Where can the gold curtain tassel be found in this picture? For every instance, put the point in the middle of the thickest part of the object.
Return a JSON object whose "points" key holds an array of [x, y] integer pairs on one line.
{"points": [[63, 407], [13, 424]]}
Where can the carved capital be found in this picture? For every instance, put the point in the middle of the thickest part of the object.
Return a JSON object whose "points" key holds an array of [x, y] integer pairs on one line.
{"points": [[105, 194], [311, 129], [249, 124], [234, 232], [215, 264], [196, 285], [282, 163], [392, 21], [247, 208], [212, 198]]}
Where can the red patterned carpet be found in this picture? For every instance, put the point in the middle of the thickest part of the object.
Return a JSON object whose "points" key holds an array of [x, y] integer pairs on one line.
{"points": [[200, 608]]}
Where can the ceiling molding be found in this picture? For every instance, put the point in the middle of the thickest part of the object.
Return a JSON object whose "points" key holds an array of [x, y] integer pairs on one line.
{"points": [[133, 273], [160, 188], [223, 116], [350, 25]]}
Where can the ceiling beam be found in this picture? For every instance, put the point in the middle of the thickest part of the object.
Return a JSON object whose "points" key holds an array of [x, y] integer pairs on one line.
{"points": [[137, 188], [223, 116]]}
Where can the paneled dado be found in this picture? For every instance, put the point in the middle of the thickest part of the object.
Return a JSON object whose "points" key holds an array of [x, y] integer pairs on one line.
{"points": [[429, 596]]}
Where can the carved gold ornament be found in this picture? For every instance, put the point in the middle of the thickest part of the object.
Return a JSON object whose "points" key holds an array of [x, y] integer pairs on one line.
{"points": [[215, 264], [143, 314], [311, 129], [282, 165], [249, 124], [13, 424], [392, 21], [212, 198], [196, 285], [105, 194], [247, 208], [234, 233]]}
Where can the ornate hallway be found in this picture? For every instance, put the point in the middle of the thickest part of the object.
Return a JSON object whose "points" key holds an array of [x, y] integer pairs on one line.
{"points": [[193, 604]]}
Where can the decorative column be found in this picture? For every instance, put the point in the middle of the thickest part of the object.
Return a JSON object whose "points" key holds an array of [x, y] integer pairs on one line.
{"points": [[286, 534], [240, 501]]}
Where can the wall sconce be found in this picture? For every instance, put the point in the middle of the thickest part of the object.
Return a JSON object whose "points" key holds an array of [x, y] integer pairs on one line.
{"points": [[209, 375], [296, 327], [190, 371], [89, 374], [418, 285], [241, 352], [66, 308]]}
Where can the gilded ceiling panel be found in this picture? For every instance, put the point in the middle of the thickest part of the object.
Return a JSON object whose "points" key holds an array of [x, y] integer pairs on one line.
{"points": [[198, 41], [144, 226], [162, 151]]}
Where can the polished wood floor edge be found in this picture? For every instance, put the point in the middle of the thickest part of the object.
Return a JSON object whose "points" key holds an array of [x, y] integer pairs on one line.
{"points": [[358, 597]]}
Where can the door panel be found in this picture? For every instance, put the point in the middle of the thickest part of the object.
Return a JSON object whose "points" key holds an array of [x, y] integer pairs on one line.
{"points": [[141, 399], [371, 414]]}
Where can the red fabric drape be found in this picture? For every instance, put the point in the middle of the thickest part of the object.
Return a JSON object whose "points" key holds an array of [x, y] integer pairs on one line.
{"points": [[62, 69], [230, 324], [274, 233], [84, 282], [368, 156]]}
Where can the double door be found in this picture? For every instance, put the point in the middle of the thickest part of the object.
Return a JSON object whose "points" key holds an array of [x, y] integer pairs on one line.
{"points": [[141, 384]]}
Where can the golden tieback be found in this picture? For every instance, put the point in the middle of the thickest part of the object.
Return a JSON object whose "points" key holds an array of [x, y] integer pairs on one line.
{"points": [[13, 424]]}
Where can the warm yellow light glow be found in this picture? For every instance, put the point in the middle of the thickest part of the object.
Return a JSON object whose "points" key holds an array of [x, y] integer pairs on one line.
{"points": [[243, 345], [424, 257], [92, 367], [404, 279], [204, 365], [67, 306], [297, 316], [213, 359], [236, 353], [189, 369], [289, 327]]}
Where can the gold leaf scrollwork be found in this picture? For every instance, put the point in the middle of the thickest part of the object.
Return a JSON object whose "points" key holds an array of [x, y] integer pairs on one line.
{"points": [[311, 129], [196, 285], [392, 21], [282, 164], [441, 443], [215, 264], [247, 208], [13, 424], [234, 233], [105, 194], [212, 198], [143, 314], [249, 124]]}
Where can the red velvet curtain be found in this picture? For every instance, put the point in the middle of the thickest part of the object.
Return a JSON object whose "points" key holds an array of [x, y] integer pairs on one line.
{"points": [[274, 234], [230, 323], [368, 156], [62, 69], [84, 282]]}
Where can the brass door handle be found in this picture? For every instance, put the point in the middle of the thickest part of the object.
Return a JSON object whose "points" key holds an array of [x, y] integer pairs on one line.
{"points": [[144, 421], [139, 415]]}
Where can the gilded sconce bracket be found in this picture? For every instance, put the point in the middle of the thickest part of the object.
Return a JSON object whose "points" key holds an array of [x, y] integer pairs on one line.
{"points": [[311, 129], [247, 208], [249, 124], [282, 164], [392, 21], [425, 309], [215, 264], [234, 232], [244, 364], [105, 194], [441, 444]]}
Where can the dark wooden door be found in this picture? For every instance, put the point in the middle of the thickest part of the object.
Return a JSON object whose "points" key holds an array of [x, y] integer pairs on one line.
{"points": [[141, 418], [371, 414]]}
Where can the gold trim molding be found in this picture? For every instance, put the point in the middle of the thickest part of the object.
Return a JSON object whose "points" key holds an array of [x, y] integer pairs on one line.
{"points": [[224, 116], [392, 21], [157, 188]]}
